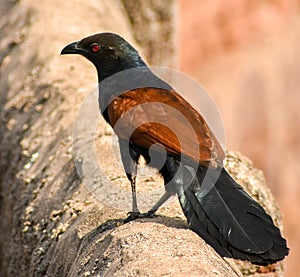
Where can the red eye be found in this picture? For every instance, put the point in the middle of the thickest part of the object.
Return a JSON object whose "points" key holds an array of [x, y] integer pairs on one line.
{"points": [[95, 48]]}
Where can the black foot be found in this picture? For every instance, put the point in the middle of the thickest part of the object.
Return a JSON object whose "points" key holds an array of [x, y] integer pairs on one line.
{"points": [[149, 214], [136, 215], [132, 216]]}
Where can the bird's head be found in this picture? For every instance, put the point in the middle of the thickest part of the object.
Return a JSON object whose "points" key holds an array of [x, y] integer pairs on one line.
{"points": [[109, 52]]}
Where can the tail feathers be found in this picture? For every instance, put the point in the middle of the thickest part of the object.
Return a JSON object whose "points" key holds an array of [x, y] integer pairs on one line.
{"points": [[227, 218]]}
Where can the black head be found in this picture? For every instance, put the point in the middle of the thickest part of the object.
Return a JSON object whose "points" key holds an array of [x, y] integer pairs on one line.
{"points": [[109, 52]]}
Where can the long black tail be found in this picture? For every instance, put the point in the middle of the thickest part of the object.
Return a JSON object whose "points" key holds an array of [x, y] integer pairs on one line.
{"points": [[226, 217]]}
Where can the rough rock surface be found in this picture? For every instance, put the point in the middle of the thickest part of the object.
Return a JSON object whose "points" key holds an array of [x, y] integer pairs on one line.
{"points": [[51, 223]]}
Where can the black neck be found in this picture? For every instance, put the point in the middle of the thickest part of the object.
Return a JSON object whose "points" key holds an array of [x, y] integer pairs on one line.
{"points": [[115, 83], [106, 72]]}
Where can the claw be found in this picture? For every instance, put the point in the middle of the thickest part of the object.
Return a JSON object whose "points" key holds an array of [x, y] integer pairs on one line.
{"points": [[149, 214], [132, 216], [135, 215]]}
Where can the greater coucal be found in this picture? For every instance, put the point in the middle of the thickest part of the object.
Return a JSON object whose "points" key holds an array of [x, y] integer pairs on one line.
{"points": [[145, 113]]}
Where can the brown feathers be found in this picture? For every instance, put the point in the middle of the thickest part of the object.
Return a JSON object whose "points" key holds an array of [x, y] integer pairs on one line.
{"points": [[153, 115]]}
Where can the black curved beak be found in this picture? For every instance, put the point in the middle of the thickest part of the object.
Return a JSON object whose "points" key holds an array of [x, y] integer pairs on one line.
{"points": [[71, 48]]}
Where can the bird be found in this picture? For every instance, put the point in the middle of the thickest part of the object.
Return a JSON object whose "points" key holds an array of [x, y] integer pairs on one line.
{"points": [[155, 122]]}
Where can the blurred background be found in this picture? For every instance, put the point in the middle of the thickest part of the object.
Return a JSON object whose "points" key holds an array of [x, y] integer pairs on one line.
{"points": [[246, 54]]}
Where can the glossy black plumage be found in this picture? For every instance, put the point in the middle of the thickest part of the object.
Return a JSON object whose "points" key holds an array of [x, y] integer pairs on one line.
{"points": [[231, 220], [216, 207]]}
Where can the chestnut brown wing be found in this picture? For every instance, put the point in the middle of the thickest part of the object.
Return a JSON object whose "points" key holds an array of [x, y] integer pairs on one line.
{"points": [[151, 115]]}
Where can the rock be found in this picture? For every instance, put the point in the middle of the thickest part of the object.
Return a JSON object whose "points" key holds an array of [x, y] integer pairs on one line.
{"points": [[52, 223], [149, 248]]}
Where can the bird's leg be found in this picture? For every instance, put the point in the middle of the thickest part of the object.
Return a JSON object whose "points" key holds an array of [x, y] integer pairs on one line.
{"points": [[168, 171], [166, 196], [135, 211], [130, 159]]}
